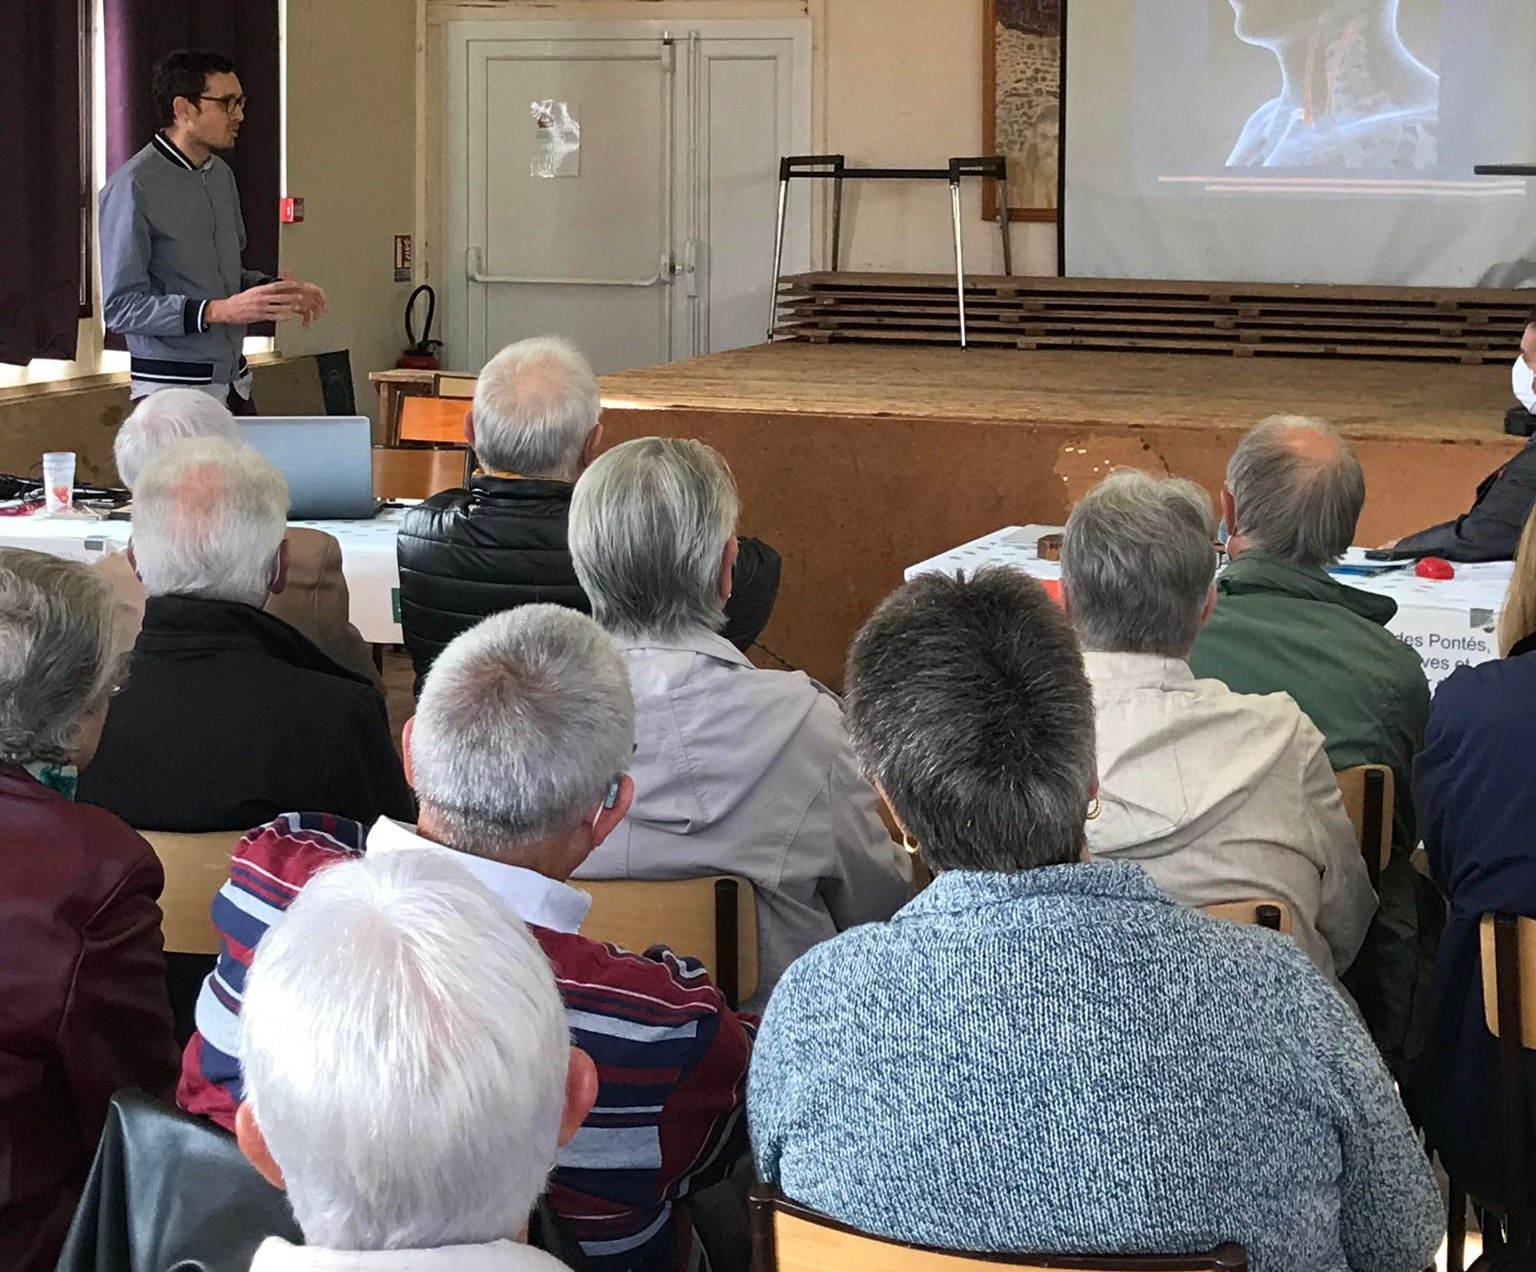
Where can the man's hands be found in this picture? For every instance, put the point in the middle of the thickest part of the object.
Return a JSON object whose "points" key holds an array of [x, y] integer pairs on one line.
{"points": [[270, 302]]}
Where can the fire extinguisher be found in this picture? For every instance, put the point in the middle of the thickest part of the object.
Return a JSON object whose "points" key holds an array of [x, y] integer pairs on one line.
{"points": [[420, 355]]}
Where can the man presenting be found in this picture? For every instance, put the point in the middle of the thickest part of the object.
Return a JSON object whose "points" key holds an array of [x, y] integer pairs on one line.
{"points": [[172, 236]]}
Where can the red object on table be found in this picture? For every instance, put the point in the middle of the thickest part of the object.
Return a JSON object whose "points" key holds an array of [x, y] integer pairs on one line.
{"points": [[1435, 568]]}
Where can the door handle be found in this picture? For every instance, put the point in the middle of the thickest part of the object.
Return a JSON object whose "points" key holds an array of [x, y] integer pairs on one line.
{"points": [[476, 274]]}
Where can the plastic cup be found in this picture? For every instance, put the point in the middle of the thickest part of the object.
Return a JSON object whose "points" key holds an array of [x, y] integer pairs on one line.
{"points": [[58, 481]]}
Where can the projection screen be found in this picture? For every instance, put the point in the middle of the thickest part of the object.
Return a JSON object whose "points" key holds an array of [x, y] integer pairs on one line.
{"points": [[1308, 141]]}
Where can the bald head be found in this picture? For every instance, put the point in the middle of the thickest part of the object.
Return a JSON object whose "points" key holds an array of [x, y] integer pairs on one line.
{"points": [[1296, 490], [536, 405]]}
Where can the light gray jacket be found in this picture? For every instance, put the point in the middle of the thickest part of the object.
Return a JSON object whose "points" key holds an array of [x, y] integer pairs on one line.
{"points": [[750, 772], [172, 237]]}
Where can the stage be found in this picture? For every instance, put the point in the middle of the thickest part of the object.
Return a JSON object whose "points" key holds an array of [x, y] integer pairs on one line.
{"points": [[856, 461]]}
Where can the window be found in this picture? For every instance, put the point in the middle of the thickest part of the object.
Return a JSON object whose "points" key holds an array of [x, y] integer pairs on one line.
{"points": [[92, 358]]}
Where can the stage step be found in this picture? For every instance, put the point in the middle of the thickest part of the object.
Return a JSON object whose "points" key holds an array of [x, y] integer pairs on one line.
{"points": [[1244, 319]]}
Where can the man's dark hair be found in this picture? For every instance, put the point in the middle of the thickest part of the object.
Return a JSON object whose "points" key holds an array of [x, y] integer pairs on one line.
{"points": [[184, 73], [968, 703]]}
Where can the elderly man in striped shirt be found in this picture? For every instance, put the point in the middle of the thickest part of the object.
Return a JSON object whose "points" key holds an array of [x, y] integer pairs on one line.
{"points": [[518, 754]]}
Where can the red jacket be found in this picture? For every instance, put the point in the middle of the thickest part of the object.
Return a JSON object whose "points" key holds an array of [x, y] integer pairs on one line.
{"points": [[83, 1007]]}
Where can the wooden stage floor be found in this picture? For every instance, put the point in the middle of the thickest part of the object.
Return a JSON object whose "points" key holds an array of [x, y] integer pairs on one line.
{"points": [[857, 460]]}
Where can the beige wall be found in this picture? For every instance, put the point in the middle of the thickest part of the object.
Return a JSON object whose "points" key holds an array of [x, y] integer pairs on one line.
{"points": [[899, 84], [351, 156], [894, 83]]}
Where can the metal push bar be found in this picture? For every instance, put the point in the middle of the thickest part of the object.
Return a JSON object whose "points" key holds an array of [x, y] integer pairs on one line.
{"points": [[834, 168]]}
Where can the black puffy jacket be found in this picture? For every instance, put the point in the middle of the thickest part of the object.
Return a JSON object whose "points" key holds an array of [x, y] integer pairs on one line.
{"points": [[467, 554]]}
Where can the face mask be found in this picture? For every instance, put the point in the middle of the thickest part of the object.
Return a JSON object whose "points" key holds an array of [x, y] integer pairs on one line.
{"points": [[1221, 532]]}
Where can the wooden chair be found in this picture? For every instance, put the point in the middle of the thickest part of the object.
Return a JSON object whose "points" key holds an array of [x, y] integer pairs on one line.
{"points": [[713, 919], [415, 472], [196, 867], [1369, 791], [1261, 912], [789, 1237], [1508, 949]]}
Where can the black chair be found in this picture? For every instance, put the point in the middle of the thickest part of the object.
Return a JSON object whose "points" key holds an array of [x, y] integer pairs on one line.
{"points": [[170, 1193], [173, 1193]]}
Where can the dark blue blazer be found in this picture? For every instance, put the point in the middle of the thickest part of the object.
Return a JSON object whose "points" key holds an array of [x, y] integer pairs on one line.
{"points": [[1476, 800]]}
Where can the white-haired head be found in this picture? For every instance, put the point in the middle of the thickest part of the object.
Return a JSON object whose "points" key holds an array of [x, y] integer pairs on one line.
{"points": [[405, 1054], [208, 520], [536, 406], [163, 417], [650, 524], [525, 721], [58, 661]]}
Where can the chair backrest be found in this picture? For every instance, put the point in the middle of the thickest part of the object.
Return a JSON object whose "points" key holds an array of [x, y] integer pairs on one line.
{"points": [[168, 1190], [1369, 791], [432, 419], [416, 472], [196, 867], [789, 1237], [713, 919], [1260, 912], [1508, 947]]}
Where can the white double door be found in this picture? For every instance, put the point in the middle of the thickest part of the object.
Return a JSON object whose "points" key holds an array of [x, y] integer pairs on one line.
{"points": [[617, 183]]}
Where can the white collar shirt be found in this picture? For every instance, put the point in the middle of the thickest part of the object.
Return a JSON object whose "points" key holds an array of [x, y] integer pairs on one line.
{"points": [[276, 1255], [534, 898]]}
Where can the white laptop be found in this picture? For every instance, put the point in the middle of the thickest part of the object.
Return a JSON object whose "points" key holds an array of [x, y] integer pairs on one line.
{"points": [[327, 461]]}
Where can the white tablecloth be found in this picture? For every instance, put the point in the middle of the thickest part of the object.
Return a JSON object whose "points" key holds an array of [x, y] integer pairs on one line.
{"points": [[1450, 622], [367, 558]]}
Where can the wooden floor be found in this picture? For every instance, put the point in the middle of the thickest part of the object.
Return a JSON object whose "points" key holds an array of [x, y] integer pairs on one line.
{"points": [[1424, 401]]}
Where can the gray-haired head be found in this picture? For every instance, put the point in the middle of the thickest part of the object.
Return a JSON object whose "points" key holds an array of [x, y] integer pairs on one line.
{"points": [[968, 704], [57, 654], [649, 524], [524, 721], [1297, 490], [536, 402], [164, 417], [404, 1053], [208, 520], [1137, 560]]}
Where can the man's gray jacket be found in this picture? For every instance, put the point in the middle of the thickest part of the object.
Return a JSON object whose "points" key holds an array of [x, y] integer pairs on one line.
{"points": [[171, 241]]}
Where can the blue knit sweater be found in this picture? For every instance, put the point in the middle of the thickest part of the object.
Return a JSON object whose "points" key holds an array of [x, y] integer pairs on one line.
{"points": [[1065, 1060]]}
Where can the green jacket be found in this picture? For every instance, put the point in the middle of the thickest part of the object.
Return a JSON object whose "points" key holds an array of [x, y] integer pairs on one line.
{"points": [[1282, 627]]}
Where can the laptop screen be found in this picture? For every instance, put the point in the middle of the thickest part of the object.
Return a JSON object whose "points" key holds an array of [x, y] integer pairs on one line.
{"points": [[327, 461]]}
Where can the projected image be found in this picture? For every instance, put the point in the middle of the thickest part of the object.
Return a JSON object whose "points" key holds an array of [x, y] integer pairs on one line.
{"points": [[1351, 93]]}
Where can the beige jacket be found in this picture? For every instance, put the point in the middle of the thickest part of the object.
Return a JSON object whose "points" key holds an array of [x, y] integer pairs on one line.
{"points": [[750, 772], [1224, 796], [315, 601]]}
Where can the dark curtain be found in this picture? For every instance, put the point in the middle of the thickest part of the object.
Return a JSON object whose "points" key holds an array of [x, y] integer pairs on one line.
{"points": [[40, 222], [137, 33]]}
